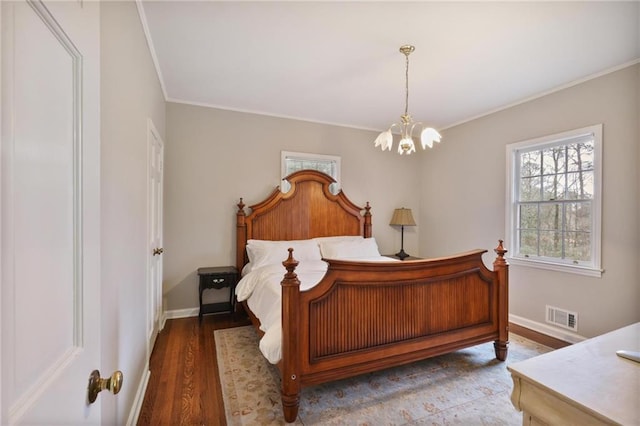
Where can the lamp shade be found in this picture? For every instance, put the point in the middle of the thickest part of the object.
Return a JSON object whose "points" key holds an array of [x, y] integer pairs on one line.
{"points": [[402, 217]]}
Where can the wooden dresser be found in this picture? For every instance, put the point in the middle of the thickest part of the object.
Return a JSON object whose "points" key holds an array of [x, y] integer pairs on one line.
{"points": [[582, 384]]}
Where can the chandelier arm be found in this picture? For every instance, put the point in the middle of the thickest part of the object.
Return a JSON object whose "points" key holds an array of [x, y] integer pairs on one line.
{"points": [[395, 125], [413, 126], [405, 130]]}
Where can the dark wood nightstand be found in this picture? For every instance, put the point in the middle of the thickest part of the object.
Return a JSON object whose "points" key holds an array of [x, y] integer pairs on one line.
{"points": [[218, 277]]}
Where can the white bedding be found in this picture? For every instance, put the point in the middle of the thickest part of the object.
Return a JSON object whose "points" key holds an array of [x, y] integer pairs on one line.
{"points": [[261, 289]]}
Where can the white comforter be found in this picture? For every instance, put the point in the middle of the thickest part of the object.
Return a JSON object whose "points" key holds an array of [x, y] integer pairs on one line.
{"points": [[262, 291]]}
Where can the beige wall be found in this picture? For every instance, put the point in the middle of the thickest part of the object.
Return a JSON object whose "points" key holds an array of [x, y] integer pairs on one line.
{"points": [[214, 157], [131, 93], [463, 198], [457, 191]]}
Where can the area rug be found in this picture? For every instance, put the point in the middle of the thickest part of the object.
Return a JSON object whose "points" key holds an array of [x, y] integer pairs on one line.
{"points": [[467, 387]]}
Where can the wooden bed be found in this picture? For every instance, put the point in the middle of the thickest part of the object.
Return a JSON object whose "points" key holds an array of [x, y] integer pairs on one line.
{"points": [[367, 316]]}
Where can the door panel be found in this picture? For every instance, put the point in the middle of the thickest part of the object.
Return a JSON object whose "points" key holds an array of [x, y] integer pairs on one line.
{"points": [[43, 181], [50, 210], [156, 250]]}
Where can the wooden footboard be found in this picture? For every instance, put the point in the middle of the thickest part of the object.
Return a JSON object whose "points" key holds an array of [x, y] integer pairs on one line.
{"points": [[366, 316]]}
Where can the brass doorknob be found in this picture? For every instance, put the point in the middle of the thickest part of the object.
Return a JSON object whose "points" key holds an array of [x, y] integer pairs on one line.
{"points": [[97, 384], [157, 251]]}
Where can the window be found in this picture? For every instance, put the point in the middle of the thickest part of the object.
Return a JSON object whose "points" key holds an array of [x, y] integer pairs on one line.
{"points": [[327, 164], [554, 201]]}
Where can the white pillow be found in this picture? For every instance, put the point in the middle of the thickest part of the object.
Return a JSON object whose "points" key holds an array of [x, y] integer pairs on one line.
{"points": [[366, 247], [263, 252]]}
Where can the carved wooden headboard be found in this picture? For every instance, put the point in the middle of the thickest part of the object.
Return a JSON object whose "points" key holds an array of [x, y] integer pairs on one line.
{"points": [[307, 210]]}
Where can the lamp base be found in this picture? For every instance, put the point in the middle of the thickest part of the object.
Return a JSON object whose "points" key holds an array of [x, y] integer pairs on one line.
{"points": [[402, 255]]}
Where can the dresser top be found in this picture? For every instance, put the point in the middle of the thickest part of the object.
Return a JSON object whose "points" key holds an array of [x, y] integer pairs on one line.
{"points": [[589, 375]]}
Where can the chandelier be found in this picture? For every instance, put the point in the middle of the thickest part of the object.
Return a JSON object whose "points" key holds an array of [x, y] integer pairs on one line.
{"points": [[407, 126]]}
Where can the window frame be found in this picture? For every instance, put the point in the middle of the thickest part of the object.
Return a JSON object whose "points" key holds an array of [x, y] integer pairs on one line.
{"points": [[304, 156], [512, 187]]}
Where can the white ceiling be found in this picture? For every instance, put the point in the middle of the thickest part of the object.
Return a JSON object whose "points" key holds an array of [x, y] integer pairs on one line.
{"points": [[338, 62]]}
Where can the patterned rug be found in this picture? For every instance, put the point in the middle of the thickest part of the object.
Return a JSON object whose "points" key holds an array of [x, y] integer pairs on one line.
{"points": [[467, 387]]}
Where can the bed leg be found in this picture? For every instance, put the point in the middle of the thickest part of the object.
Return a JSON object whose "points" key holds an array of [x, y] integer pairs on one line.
{"points": [[290, 405], [501, 348], [501, 268], [290, 340]]}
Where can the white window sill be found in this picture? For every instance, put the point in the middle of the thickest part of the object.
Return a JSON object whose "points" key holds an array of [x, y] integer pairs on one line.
{"points": [[571, 269]]}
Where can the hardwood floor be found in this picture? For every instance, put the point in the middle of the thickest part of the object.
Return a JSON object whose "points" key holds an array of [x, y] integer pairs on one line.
{"points": [[184, 387]]}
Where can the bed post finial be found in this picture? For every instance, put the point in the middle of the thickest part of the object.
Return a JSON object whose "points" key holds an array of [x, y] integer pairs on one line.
{"points": [[290, 341], [501, 268], [290, 265], [367, 221], [241, 235], [500, 251]]}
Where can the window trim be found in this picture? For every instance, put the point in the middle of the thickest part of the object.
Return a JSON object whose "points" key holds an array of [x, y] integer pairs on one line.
{"points": [[511, 214], [286, 155]]}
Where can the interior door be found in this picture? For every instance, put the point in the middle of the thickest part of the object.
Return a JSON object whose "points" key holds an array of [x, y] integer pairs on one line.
{"points": [[155, 182], [50, 228]]}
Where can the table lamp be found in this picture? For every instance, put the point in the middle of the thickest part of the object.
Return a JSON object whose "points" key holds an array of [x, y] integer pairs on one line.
{"points": [[402, 217]]}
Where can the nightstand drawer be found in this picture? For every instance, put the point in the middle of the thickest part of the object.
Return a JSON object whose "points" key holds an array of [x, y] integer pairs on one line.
{"points": [[217, 281]]}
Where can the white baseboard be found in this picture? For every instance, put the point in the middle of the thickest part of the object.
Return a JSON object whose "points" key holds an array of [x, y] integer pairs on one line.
{"points": [[139, 398], [549, 330], [163, 320], [181, 313]]}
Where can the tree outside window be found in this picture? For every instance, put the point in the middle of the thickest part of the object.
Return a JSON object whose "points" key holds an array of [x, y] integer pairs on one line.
{"points": [[555, 200]]}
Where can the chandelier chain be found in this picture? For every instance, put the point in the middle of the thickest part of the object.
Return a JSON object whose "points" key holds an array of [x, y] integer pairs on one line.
{"points": [[406, 99]]}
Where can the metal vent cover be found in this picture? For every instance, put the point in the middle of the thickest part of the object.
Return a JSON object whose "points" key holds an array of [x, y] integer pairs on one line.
{"points": [[562, 318]]}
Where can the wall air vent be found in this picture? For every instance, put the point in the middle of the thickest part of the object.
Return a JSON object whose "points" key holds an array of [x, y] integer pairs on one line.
{"points": [[562, 318]]}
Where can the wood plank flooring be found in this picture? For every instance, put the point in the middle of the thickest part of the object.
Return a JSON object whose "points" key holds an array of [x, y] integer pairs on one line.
{"points": [[184, 387]]}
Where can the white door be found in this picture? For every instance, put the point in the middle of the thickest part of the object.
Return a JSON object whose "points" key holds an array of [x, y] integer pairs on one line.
{"points": [[50, 221], [154, 281]]}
